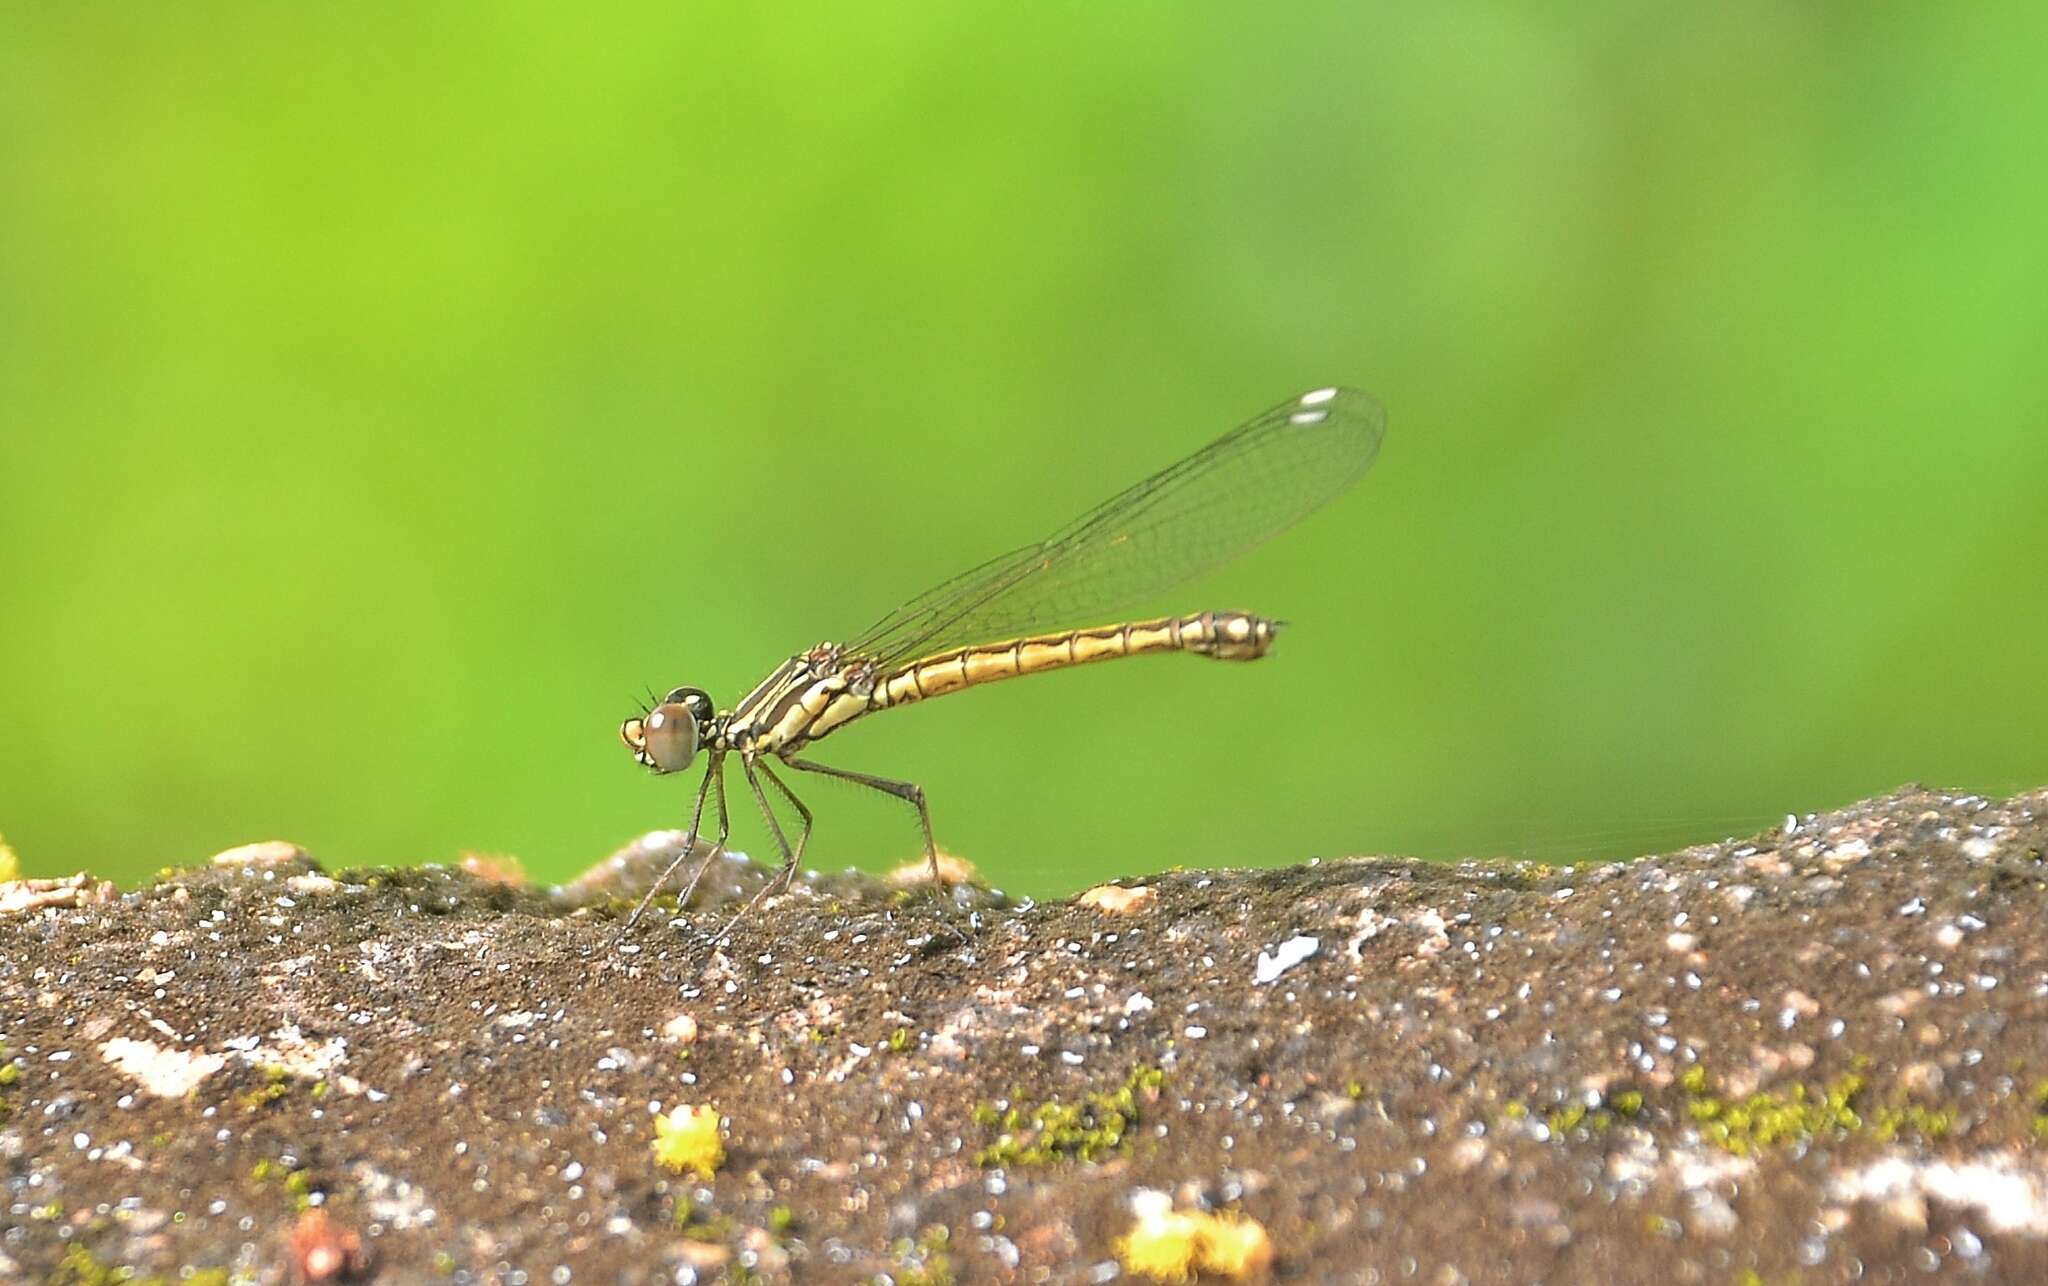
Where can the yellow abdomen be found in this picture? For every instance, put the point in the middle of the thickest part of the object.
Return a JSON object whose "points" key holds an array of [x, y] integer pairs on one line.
{"points": [[1226, 636]]}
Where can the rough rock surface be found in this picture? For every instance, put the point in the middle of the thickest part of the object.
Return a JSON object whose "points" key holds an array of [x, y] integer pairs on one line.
{"points": [[1815, 1055]]}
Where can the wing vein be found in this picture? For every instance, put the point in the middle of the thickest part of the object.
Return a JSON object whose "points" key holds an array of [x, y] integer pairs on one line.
{"points": [[1188, 518]]}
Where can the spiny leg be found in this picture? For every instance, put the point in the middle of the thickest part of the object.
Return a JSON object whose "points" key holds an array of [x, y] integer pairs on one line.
{"points": [[761, 798], [906, 790], [718, 848], [803, 837], [711, 771], [789, 857]]}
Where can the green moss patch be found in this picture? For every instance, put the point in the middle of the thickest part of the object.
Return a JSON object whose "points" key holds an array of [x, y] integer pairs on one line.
{"points": [[1844, 1108], [1040, 1133]]}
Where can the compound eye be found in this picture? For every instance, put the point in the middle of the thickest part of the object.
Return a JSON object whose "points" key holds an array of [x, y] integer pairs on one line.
{"points": [[696, 700], [670, 733]]}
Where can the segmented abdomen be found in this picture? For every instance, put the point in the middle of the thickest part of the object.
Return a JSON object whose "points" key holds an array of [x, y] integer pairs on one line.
{"points": [[1226, 636]]}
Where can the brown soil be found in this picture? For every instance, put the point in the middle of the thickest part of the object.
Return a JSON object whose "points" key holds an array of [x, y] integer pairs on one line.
{"points": [[1816, 1055]]}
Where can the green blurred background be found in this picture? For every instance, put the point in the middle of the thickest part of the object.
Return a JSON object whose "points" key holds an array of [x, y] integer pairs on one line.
{"points": [[388, 396]]}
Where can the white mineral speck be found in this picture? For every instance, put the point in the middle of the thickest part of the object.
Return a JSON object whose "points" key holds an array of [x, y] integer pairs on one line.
{"points": [[1284, 957], [166, 1073], [2007, 1194]]}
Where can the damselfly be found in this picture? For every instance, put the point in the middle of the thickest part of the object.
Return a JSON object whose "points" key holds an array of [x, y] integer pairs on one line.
{"points": [[1013, 615]]}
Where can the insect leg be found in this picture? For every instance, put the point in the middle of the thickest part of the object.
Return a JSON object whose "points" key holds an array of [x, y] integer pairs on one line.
{"points": [[904, 790], [803, 837], [712, 772], [789, 858], [717, 849]]}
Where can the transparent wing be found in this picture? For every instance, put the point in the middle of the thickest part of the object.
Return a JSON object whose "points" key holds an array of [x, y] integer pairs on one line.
{"points": [[1251, 483]]}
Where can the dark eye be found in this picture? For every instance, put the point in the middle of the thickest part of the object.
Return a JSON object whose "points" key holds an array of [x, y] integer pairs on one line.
{"points": [[670, 732], [696, 700]]}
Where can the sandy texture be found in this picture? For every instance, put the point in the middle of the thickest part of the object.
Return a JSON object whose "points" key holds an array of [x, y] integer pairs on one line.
{"points": [[1816, 1055]]}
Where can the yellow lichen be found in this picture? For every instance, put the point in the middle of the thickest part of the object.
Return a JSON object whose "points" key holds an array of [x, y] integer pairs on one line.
{"points": [[690, 1138], [1171, 1246], [1234, 1246], [1160, 1246]]}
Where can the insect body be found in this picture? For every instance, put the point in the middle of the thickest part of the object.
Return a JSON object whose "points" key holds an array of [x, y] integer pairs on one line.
{"points": [[1002, 619]]}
